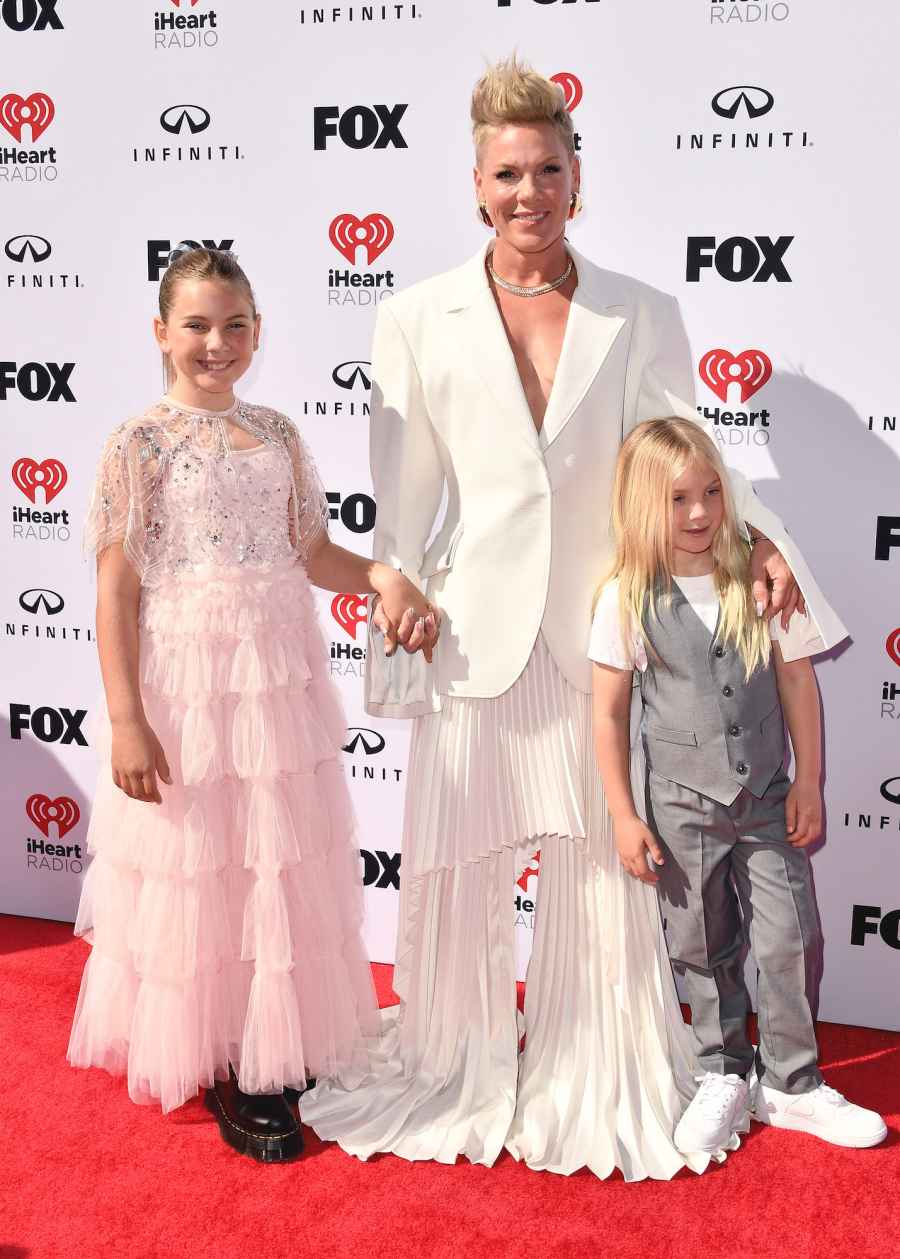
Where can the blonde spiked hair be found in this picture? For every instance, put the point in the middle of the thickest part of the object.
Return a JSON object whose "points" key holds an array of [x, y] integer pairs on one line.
{"points": [[651, 459], [512, 92]]}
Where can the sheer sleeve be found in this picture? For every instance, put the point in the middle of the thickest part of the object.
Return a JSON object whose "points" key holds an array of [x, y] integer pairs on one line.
{"points": [[126, 479], [110, 506], [309, 517]]}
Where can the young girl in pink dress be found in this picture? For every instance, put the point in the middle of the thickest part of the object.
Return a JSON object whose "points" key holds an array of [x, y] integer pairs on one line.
{"points": [[224, 905]]}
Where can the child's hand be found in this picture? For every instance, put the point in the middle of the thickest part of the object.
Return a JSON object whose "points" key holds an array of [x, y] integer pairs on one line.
{"points": [[406, 617], [634, 840], [137, 758], [803, 813]]}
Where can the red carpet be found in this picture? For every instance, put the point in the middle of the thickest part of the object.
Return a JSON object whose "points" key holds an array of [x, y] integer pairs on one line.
{"points": [[84, 1174]]}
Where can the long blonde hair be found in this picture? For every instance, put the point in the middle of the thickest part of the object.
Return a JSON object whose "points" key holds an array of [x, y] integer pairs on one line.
{"points": [[651, 459]]}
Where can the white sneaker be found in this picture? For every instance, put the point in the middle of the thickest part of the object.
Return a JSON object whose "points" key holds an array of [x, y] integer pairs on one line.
{"points": [[824, 1112], [719, 1106]]}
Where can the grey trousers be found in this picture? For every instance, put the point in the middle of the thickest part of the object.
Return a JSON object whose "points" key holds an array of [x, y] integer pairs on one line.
{"points": [[730, 877]]}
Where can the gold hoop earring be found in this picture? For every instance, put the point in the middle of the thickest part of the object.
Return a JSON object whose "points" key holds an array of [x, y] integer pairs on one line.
{"points": [[483, 214], [576, 205]]}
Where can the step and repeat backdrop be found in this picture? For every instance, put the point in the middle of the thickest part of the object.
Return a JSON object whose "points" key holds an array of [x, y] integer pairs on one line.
{"points": [[740, 155]]}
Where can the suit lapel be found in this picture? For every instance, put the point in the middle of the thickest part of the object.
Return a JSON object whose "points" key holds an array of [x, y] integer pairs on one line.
{"points": [[591, 330], [488, 350]]}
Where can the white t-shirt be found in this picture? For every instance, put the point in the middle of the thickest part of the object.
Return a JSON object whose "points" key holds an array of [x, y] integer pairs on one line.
{"points": [[609, 646]]}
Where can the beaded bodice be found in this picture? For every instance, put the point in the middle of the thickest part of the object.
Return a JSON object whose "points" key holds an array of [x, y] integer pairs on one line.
{"points": [[173, 488]]}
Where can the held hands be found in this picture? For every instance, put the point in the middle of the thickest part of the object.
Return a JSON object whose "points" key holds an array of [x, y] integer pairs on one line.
{"points": [[634, 839], [137, 759], [803, 813], [405, 616], [774, 586]]}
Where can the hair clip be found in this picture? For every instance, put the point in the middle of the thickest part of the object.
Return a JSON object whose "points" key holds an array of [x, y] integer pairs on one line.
{"points": [[183, 247]]}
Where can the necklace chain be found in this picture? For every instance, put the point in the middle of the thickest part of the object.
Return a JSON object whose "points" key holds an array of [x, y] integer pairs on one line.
{"points": [[521, 290]]}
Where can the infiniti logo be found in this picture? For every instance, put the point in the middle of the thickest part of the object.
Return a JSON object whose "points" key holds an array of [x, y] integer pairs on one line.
{"points": [[48, 600], [372, 742], [890, 792], [755, 101], [176, 117], [352, 373], [18, 246]]}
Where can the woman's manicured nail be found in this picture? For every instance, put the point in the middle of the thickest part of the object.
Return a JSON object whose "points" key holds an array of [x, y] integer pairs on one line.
{"points": [[760, 607]]}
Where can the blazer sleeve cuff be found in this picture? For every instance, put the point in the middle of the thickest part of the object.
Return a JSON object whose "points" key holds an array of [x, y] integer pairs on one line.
{"points": [[401, 685]]}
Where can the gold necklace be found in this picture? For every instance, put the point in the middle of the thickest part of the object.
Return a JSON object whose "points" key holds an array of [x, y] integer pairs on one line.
{"points": [[522, 290]]}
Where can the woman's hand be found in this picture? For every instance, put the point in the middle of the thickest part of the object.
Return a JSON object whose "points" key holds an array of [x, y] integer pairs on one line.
{"points": [[404, 615], [769, 569], [137, 758], [634, 839]]}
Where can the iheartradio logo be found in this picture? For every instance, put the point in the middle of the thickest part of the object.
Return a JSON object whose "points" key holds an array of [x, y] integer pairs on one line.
{"points": [[43, 811], [750, 370], [892, 646], [530, 872], [571, 86], [375, 232], [29, 476], [349, 611], [35, 111]]}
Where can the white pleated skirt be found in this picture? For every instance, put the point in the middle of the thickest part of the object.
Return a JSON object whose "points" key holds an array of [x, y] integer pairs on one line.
{"points": [[607, 1065]]}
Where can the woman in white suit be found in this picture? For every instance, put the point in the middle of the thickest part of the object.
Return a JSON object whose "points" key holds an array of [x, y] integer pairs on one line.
{"points": [[506, 386]]}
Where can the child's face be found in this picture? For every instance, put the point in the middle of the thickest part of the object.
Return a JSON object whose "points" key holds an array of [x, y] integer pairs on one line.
{"points": [[210, 336], [697, 508]]}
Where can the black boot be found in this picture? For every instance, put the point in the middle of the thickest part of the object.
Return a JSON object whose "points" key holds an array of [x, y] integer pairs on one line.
{"points": [[261, 1125]]}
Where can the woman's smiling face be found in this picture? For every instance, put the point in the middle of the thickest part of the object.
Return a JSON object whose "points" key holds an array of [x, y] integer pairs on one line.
{"points": [[526, 177]]}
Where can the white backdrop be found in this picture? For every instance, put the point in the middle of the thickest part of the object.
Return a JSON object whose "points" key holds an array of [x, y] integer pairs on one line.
{"points": [[672, 148]]}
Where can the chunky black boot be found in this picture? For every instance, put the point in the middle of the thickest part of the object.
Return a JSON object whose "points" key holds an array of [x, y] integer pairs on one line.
{"points": [[260, 1125]]}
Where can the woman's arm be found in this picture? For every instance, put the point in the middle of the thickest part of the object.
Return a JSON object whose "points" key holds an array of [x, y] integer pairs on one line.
{"points": [[660, 382], [137, 756], [800, 701], [611, 719], [408, 482]]}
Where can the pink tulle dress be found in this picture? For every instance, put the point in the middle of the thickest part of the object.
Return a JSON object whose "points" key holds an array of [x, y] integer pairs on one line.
{"points": [[225, 923]]}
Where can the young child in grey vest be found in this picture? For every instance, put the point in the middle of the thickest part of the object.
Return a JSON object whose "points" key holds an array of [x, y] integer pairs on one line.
{"points": [[727, 828]]}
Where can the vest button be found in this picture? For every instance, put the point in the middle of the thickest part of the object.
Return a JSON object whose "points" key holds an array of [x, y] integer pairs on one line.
{"points": [[741, 768], [728, 691], [735, 730], [720, 651]]}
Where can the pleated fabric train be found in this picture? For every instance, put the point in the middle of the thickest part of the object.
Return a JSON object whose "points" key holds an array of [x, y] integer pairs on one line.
{"points": [[607, 1065], [225, 923]]}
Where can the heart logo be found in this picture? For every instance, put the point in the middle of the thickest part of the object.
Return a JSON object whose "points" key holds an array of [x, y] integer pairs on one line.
{"points": [[36, 111], [892, 646], [750, 369], [50, 475], [375, 232], [530, 872], [349, 611], [42, 811], [571, 86]]}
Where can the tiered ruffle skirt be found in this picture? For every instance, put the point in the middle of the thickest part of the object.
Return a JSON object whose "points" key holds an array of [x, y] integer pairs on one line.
{"points": [[225, 923]]}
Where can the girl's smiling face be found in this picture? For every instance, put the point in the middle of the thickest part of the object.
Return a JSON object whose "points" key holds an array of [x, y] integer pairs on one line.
{"points": [[697, 509], [210, 336]]}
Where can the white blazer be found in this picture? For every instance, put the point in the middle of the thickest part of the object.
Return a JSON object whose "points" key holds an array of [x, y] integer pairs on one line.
{"points": [[525, 536]]}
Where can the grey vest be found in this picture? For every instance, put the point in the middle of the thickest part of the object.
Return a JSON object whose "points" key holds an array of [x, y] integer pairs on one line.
{"points": [[705, 726]]}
